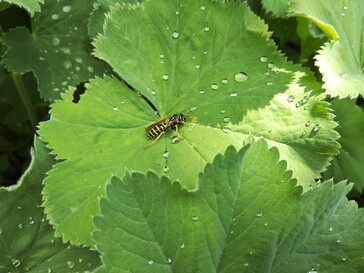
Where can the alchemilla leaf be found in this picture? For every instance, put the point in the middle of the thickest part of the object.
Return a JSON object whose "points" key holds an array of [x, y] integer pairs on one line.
{"points": [[210, 58], [27, 242], [349, 163], [248, 216], [340, 61], [56, 48], [31, 6]]}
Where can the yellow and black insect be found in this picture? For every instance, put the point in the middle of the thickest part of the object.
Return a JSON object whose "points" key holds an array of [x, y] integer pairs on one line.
{"points": [[157, 129]]}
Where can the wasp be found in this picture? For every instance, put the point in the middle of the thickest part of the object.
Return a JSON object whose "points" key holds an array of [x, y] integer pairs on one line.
{"points": [[157, 129]]}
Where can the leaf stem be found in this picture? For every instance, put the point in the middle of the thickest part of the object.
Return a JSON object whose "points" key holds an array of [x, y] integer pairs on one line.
{"points": [[22, 91], [24, 96]]}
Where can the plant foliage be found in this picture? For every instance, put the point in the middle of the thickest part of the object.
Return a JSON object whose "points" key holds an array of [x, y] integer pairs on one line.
{"points": [[254, 181]]}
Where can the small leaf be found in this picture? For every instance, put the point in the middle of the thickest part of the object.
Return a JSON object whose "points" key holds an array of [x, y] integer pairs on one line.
{"points": [[31, 6], [340, 61], [277, 7], [56, 49], [247, 216], [27, 241], [349, 163]]}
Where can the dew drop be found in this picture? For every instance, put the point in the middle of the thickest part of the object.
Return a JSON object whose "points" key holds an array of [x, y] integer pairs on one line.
{"points": [[115, 108], [175, 34], [271, 65], [214, 86], [195, 218], [270, 130], [20, 226], [303, 133], [90, 69], [182, 245], [205, 52], [338, 241], [206, 29], [224, 81], [202, 8], [263, 59], [226, 119], [308, 123], [344, 259], [304, 99], [317, 128], [67, 64], [202, 91], [56, 41], [299, 104], [150, 262], [233, 94], [49, 270], [223, 111], [16, 263], [175, 140], [168, 260], [19, 207], [78, 60], [152, 92], [166, 154], [66, 8], [227, 131], [161, 56], [240, 77], [177, 12], [313, 270], [197, 66], [291, 98], [165, 77], [55, 16], [259, 214], [331, 229], [246, 264], [165, 169], [71, 264], [345, 7]]}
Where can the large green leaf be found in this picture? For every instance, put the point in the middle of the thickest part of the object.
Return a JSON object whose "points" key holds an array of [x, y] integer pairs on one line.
{"points": [[349, 163], [247, 216], [180, 57], [57, 48], [27, 242], [31, 6], [340, 61]]}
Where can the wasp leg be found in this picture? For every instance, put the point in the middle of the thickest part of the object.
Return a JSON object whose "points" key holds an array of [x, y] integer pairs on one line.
{"points": [[178, 134], [154, 140]]}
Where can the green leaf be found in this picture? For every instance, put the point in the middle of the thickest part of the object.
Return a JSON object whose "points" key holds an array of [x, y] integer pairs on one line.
{"points": [[349, 163], [27, 242], [247, 216], [201, 70], [57, 48], [340, 61], [102, 7], [31, 6], [277, 7]]}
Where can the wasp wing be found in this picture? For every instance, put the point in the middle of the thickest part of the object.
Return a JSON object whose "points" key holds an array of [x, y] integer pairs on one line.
{"points": [[163, 120]]}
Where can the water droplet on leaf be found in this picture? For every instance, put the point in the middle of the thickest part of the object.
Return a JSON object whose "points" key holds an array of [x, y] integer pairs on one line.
{"points": [[214, 86], [175, 34], [66, 8], [240, 77], [263, 59]]}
